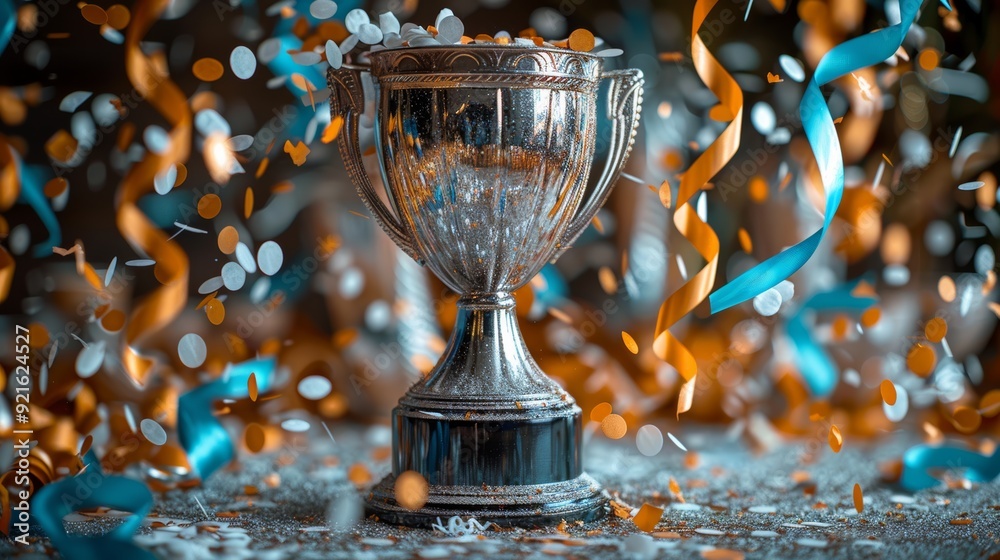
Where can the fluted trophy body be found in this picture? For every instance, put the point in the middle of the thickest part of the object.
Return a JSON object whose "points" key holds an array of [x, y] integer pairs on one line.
{"points": [[485, 152]]}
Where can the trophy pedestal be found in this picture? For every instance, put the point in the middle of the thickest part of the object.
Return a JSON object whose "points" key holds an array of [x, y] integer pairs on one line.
{"points": [[493, 436]]}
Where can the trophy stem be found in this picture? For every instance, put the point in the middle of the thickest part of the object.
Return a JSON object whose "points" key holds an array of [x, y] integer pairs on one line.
{"points": [[493, 436]]}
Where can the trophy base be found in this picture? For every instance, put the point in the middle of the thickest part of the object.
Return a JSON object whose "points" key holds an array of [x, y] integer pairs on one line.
{"points": [[529, 505]]}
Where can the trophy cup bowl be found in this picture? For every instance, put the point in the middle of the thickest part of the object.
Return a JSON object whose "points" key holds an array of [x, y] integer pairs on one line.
{"points": [[485, 151]]}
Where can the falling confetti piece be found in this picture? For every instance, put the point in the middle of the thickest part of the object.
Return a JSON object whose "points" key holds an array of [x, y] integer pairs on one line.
{"points": [[94, 14], [648, 439], [216, 311], [886, 158], [859, 499], [888, 391], [647, 518], [55, 187], [745, 243], [581, 40], [921, 359], [269, 258], [774, 78], [209, 206], [153, 431], [936, 329], [298, 151], [191, 350], [252, 387], [254, 437], [614, 426], [228, 240], [600, 412], [966, 420], [248, 203], [630, 343], [207, 69], [243, 63], [792, 68], [676, 442], [411, 490], [971, 186], [835, 438]]}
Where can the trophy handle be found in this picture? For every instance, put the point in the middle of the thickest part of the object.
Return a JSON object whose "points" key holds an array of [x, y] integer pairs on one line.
{"points": [[624, 105], [347, 100]]}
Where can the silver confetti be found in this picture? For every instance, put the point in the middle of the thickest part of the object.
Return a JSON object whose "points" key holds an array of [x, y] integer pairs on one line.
{"points": [[111, 272], [191, 350], [89, 360], [269, 49], [245, 257], [233, 276], [323, 9], [153, 431], [369, 34], [240, 142], [355, 19], [242, 62], [334, 57], [388, 23], [72, 101], [306, 58], [793, 68], [210, 285], [315, 387], [269, 257]]}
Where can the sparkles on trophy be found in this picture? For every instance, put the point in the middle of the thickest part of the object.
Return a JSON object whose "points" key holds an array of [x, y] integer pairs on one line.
{"points": [[485, 151]]}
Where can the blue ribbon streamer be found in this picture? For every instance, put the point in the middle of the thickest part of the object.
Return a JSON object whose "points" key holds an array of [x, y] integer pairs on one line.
{"points": [[815, 366], [33, 179], [7, 19], [205, 440], [859, 52], [92, 488], [918, 459]]}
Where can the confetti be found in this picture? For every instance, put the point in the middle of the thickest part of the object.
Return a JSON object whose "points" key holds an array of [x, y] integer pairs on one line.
{"points": [[191, 350], [323, 9], [836, 440], [859, 501], [153, 431], [614, 426], [971, 186], [269, 258], [581, 40], [630, 343], [298, 151], [888, 392], [676, 441], [243, 63], [647, 518], [207, 69], [411, 490], [648, 439]]}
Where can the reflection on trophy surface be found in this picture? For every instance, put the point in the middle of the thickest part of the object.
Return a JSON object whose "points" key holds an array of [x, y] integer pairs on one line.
{"points": [[485, 152]]}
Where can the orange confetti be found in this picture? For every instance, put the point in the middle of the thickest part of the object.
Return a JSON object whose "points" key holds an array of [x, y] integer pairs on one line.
{"points": [[297, 151], [921, 359], [966, 420], [94, 14], [630, 343], [888, 390], [113, 321], [228, 238], [836, 439], [216, 312], [859, 498], [614, 426], [248, 203], [118, 17], [411, 490], [581, 40], [207, 69], [261, 167], [608, 281], [254, 437], [947, 289], [871, 316], [359, 474], [332, 130], [665, 195], [720, 113], [600, 412], [758, 189], [886, 158], [745, 243], [936, 329], [647, 518], [671, 57], [252, 386], [722, 554], [61, 146], [209, 206], [55, 187], [774, 78]]}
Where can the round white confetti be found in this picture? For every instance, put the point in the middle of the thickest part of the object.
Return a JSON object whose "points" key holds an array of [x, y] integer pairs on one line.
{"points": [[713, 532], [140, 262], [649, 440], [985, 259], [295, 425], [269, 257], [245, 257], [348, 44], [208, 121], [763, 509], [767, 303], [793, 68], [812, 543], [315, 387], [306, 58], [355, 19], [323, 9], [333, 55], [240, 142], [351, 283], [74, 100], [153, 431], [451, 29], [243, 62], [765, 534], [971, 186], [164, 180], [211, 285], [269, 49], [260, 289], [191, 350], [762, 116], [388, 23], [20, 238], [370, 34], [233, 276], [157, 139], [89, 360]]}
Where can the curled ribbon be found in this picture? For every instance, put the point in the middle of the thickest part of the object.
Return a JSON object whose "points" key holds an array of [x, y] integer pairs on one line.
{"points": [[918, 459], [31, 193], [666, 346], [171, 262], [859, 52], [205, 440], [814, 364], [88, 489]]}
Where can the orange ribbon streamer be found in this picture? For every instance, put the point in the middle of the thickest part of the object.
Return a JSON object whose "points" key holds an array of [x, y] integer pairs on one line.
{"points": [[667, 346], [160, 307]]}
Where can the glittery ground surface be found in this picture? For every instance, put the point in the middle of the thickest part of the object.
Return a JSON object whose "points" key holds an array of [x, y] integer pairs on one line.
{"points": [[734, 500]]}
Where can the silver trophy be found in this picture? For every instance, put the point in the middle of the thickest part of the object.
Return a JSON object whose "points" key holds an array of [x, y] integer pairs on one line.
{"points": [[485, 152]]}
